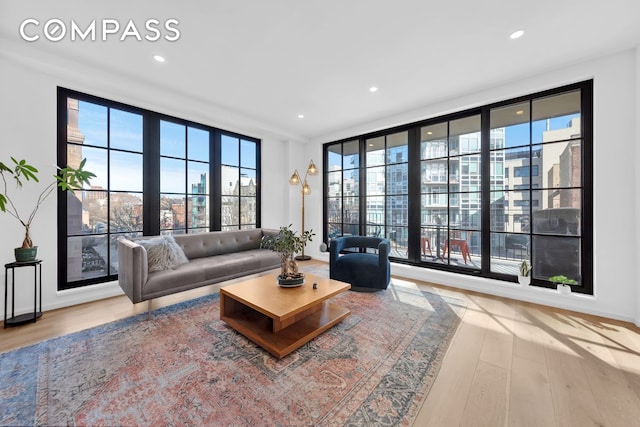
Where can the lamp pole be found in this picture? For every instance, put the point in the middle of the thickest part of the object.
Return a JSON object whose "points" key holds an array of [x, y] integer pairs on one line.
{"points": [[306, 189]]}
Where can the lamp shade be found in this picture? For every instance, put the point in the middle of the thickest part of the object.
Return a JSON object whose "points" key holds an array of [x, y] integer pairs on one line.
{"points": [[295, 178], [312, 169]]}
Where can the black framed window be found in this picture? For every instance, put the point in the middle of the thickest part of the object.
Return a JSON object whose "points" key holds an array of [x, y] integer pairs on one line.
{"points": [[485, 188], [154, 175]]}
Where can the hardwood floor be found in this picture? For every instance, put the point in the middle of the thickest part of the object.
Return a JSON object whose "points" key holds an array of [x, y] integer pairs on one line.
{"points": [[510, 363]]}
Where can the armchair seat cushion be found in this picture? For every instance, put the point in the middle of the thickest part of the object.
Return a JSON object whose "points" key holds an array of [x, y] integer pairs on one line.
{"points": [[360, 270]]}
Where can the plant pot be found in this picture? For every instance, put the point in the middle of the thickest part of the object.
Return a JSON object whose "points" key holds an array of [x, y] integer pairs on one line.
{"points": [[524, 280], [291, 282], [25, 254], [564, 289]]}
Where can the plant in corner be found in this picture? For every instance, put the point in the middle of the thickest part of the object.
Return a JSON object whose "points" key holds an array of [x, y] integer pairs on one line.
{"points": [[67, 179], [287, 243], [563, 283], [524, 277]]}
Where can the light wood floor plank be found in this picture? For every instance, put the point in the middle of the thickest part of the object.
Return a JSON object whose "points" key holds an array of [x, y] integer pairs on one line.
{"points": [[530, 403]]}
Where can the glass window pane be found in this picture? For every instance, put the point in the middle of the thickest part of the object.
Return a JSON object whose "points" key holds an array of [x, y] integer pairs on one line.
{"points": [[557, 117], [126, 130], [198, 144], [397, 210], [351, 210], [464, 135], [91, 126], [559, 220], [552, 256], [397, 147], [230, 148], [125, 212], [248, 182], [561, 164], [334, 209], [172, 139], [398, 179], [248, 154], [398, 237], [351, 155], [433, 141], [230, 210], [172, 175], [247, 210], [375, 151], [335, 157], [198, 178], [334, 184], [198, 213], [376, 181], [172, 211], [87, 257], [230, 183], [375, 210], [351, 182], [510, 211], [96, 163], [510, 126], [125, 171], [434, 175]]}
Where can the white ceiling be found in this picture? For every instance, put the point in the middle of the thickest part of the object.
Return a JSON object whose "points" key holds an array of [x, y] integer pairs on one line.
{"points": [[272, 60]]}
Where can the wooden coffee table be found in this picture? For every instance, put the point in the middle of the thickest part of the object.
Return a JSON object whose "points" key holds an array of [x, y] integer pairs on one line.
{"points": [[278, 319]]}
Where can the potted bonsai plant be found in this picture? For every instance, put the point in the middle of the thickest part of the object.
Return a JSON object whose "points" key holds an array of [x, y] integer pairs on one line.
{"points": [[67, 179], [524, 275], [287, 243], [563, 283]]}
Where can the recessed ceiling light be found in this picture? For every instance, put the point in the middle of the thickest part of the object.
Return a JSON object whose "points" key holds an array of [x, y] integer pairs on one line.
{"points": [[158, 58], [373, 89], [301, 116], [429, 133], [519, 112], [516, 34]]}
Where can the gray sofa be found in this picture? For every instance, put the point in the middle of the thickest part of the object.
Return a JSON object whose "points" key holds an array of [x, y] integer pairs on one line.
{"points": [[210, 258]]}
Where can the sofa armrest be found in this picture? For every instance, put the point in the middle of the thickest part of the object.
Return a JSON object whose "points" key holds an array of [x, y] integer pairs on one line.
{"points": [[133, 269]]}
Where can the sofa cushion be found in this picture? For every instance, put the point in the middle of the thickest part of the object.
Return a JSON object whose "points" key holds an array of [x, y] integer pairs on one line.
{"points": [[203, 245], [163, 253]]}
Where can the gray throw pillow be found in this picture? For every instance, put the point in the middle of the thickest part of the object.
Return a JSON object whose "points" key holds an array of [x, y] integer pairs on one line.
{"points": [[163, 253]]}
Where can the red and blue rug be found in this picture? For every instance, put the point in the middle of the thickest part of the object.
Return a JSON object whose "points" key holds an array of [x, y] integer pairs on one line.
{"points": [[186, 367]]}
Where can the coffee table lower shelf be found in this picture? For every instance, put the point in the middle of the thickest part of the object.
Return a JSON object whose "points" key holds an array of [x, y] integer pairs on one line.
{"points": [[260, 328]]}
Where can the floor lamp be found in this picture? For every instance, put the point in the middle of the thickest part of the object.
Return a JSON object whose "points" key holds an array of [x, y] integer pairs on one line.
{"points": [[306, 189]]}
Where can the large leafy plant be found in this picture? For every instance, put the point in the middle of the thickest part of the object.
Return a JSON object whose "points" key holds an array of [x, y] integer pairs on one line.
{"points": [[67, 179]]}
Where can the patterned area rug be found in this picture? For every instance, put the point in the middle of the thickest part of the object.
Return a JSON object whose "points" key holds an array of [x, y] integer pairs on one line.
{"points": [[186, 367]]}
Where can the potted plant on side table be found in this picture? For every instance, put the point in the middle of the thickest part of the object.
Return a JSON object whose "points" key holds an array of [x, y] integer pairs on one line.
{"points": [[68, 179], [563, 283], [287, 243], [524, 275]]}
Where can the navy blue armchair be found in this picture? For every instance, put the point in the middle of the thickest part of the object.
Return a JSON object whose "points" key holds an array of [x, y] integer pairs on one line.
{"points": [[366, 272]]}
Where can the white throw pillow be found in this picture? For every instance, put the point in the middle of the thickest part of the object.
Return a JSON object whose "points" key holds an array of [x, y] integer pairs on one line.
{"points": [[163, 253]]}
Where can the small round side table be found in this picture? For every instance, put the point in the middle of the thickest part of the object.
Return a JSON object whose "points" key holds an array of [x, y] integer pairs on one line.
{"points": [[37, 292]]}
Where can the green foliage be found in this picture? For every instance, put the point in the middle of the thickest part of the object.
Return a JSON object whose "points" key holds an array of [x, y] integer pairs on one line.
{"points": [[68, 179], [563, 280], [287, 243], [525, 268]]}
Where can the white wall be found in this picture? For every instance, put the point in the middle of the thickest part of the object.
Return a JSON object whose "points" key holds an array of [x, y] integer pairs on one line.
{"points": [[616, 135], [28, 128]]}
